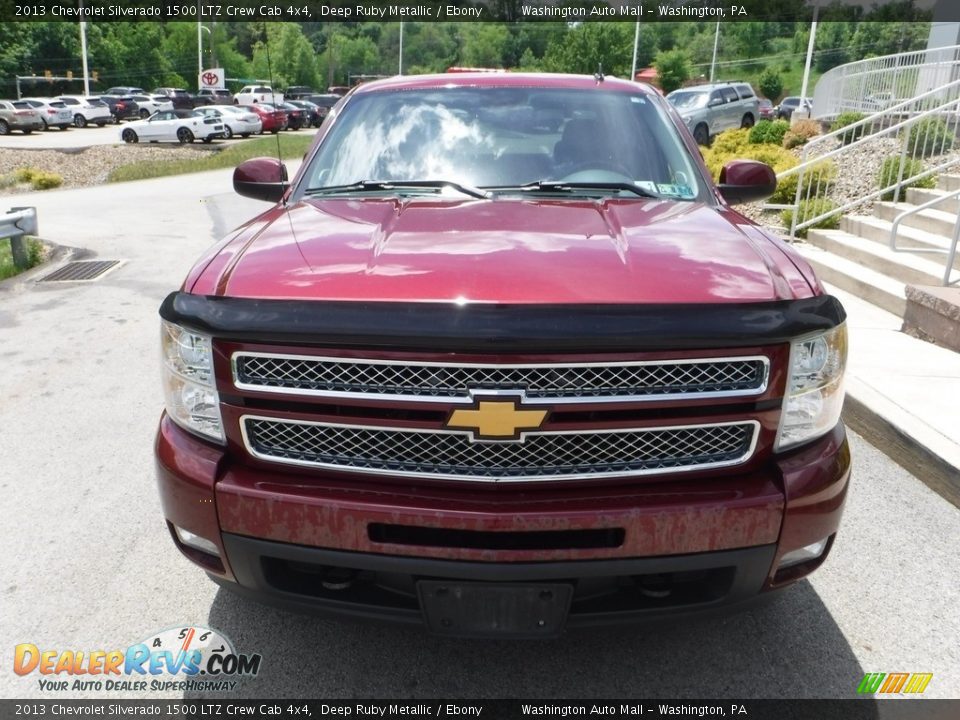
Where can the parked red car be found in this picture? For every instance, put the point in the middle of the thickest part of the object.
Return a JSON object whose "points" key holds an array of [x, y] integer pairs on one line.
{"points": [[504, 361], [273, 120], [766, 109]]}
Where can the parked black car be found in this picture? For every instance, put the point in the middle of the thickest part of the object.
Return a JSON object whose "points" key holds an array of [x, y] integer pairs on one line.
{"points": [[296, 117], [213, 96], [314, 119], [122, 107], [789, 105], [298, 92], [181, 99], [324, 102]]}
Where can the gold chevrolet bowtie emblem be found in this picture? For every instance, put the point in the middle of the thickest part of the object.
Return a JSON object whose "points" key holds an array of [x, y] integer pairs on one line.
{"points": [[496, 419]]}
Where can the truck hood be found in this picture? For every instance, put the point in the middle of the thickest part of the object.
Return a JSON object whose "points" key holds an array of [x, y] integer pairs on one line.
{"points": [[542, 251]]}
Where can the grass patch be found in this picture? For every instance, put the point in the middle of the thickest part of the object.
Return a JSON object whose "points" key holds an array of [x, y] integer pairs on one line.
{"points": [[34, 257], [291, 146]]}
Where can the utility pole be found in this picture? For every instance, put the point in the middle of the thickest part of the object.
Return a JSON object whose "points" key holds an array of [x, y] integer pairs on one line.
{"points": [[83, 55], [716, 41], [400, 68], [806, 66]]}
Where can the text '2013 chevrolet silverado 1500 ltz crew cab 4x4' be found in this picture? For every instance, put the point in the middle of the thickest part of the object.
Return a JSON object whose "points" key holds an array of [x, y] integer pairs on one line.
{"points": [[502, 361]]}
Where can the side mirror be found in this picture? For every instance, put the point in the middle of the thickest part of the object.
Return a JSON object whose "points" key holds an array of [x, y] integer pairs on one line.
{"points": [[743, 181], [261, 178], [715, 102]]}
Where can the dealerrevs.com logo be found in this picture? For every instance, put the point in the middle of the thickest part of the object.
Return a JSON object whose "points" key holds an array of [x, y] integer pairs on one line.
{"points": [[177, 659]]}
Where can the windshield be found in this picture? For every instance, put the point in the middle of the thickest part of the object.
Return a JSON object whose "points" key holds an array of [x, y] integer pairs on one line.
{"points": [[502, 138], [688, 100]]}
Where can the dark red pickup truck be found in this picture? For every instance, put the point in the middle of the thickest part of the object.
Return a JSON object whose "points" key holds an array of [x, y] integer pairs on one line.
{"points": [[502, 360]]}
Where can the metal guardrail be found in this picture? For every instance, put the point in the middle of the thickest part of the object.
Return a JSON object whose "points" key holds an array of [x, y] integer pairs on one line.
{"points": [[926, 127], [875, 84], [951, 252], [17, 224]]}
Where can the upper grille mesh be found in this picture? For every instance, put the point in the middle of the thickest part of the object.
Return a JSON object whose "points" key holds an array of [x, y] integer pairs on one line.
{"points": [[543, 456], [583, 382]]}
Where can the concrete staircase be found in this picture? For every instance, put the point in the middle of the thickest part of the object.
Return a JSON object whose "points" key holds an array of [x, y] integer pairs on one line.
{"points": [[858, 259]]}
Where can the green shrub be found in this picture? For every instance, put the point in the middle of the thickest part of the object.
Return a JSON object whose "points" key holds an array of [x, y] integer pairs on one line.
{"points": [[800, 132], [848, 118], [45, 180], [767, 131], [810, 209], [720, 154], [930, 137], [731, 141], [25, 174], [816, 182], [890, 170]]}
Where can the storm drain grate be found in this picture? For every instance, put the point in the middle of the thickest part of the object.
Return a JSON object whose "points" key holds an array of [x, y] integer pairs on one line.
{"points": [[80, 270]]}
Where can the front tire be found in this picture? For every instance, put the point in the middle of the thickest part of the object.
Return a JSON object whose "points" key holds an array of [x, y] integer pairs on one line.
{"points": [[79, 120], [144, 113], [747, 121], [184, 136], [701, 134], [227, 132], [129, 136], [5, 128]]}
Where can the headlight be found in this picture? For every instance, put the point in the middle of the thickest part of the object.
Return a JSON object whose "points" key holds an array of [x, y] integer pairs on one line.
{"points": [[814, 396], [188, 384]]}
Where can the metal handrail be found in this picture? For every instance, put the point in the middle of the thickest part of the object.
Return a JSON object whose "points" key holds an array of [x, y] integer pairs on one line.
{"points": [[870, 120], [947, 107], [951, 251], [854, 86]]}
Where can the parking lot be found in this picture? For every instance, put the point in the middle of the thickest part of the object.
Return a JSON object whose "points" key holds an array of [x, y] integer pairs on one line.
{"points": [[89, 136]]}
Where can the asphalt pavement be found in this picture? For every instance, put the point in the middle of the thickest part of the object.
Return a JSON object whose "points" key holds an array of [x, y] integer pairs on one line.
{"points": [[89, 563]]}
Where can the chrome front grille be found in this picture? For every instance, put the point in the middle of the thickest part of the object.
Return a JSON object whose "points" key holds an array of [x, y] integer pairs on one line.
{"points": [[551, 455], [541, 383]]}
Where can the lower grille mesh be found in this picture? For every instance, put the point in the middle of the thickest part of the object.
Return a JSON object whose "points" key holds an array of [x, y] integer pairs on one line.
{"points": [[543, 456]]}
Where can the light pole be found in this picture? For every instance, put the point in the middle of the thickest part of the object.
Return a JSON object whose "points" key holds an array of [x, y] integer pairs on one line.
{"points": [[716, 41], [400, 69], [806, 66], [83, 54], [200, 28], [636, 45]]}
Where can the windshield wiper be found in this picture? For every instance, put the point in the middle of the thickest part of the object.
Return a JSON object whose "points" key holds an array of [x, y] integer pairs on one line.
{"points": [[386, 185], [564, 186]]}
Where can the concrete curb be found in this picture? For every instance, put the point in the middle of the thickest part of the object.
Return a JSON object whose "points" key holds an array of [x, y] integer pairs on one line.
{"points": [[912, 445]]}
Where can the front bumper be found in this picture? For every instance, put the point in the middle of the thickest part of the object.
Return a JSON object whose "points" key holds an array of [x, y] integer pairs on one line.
{"points": [[634, 552]]}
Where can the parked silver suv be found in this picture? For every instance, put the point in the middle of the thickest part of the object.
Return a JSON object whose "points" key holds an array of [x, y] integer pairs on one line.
{"points": [[709, 109]]}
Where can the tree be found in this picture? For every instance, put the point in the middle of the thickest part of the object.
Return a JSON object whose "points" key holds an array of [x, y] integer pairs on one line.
{"points": [[771, 85], [673, 69], [484, 44], [588, 46]]}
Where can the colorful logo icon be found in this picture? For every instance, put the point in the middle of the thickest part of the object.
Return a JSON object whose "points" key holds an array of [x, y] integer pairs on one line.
{"points": [[894, 683]]}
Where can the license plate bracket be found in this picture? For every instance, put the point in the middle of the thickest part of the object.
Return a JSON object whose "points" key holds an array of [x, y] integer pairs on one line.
{"points": [[492, 609]]}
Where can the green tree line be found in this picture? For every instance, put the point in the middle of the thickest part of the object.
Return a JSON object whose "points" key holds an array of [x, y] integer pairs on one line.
{"points": [[150, 54]]}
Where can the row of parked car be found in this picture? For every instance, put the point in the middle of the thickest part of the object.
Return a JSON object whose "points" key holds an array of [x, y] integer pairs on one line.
{"points": [[64, 111], [160, 117], [219, 121]]}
